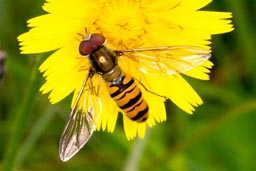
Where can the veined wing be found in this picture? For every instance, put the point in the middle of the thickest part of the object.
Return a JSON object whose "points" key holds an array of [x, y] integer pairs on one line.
{"points": [[166, 60], [82, 122]]}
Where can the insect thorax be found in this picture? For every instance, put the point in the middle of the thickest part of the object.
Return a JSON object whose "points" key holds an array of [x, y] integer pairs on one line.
{"points": [[103, 60]]}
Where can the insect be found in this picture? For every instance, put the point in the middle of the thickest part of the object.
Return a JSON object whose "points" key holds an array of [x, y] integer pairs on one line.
{"points": [[2, 64], [121, 86]]}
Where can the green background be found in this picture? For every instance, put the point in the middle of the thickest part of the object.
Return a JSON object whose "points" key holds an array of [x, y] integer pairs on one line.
{"points": [[220, 136]]}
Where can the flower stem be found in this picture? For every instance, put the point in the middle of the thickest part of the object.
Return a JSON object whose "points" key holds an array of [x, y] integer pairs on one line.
{"points": [[229, 114], [36, 131], [133, 159], [243, 32], [215, 124], [21, 120]]}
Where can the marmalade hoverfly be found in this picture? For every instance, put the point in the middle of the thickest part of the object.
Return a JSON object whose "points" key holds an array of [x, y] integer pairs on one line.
{"points": [[122, 87]]}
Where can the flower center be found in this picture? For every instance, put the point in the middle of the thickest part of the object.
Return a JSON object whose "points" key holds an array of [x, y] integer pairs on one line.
{"points": [[122, 23]]}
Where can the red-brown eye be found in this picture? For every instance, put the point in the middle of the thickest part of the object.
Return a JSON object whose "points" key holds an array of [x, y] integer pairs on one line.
{"points": [[97, 39], [86, 47]]}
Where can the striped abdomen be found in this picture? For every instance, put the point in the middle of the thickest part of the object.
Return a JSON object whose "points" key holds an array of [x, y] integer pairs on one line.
{"points": [[129, 98]]}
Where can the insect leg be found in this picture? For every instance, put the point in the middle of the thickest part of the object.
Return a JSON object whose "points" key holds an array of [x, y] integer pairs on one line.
{"points": [[150, 90]]}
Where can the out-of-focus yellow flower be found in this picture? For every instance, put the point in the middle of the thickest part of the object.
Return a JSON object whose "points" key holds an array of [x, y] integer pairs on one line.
{"points": [[124, 24]]}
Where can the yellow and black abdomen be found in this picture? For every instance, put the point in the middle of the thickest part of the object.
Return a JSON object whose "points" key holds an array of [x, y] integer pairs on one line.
{"points": [[129, 98]]}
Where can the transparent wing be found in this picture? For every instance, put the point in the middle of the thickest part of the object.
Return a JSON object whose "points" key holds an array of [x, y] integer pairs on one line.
{"points": [[82, 120], [166, 60]]}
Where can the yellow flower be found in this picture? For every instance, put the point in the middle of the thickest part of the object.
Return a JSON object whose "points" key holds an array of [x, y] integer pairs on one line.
{"points": [[125, 24]]}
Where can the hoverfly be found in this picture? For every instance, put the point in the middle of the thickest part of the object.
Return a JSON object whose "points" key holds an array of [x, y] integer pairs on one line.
{"points": [[2, 64], [122, 87]]}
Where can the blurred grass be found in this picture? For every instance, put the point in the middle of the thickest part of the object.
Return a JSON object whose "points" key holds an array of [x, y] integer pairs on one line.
{"points": [[21, 119], [219, 136]]}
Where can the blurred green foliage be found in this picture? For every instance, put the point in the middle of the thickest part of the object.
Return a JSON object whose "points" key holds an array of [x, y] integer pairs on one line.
{"points": [[220, 136]]}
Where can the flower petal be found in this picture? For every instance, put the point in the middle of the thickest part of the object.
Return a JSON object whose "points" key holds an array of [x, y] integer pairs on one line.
{"points": [[62, 68]]}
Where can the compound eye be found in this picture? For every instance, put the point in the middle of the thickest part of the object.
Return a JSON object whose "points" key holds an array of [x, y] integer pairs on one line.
{"points": [[97, 39], [86, 47]]}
